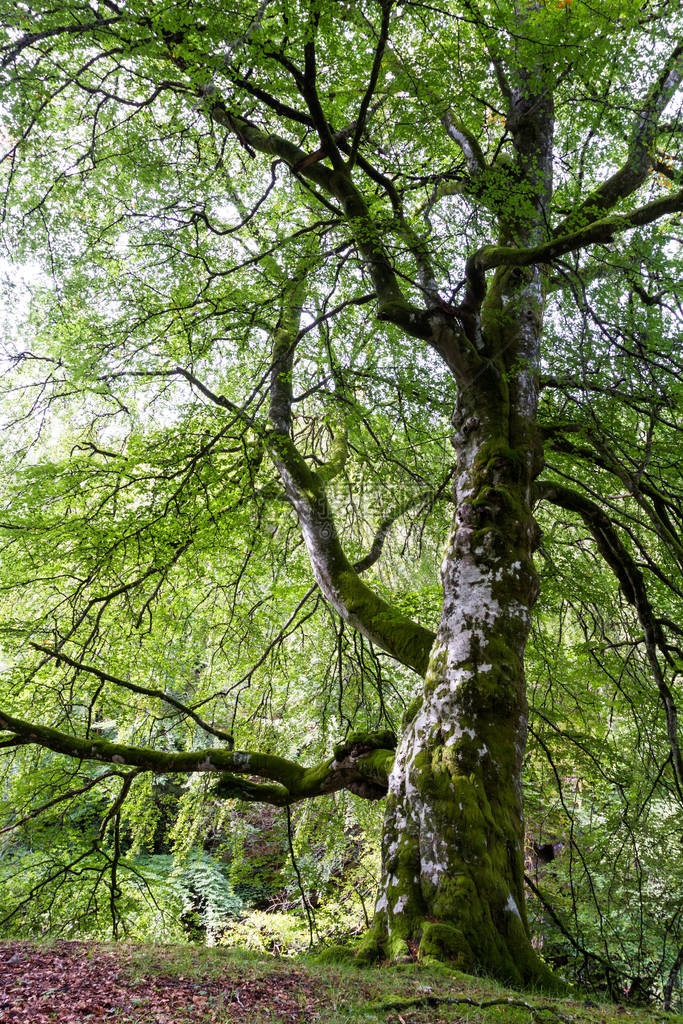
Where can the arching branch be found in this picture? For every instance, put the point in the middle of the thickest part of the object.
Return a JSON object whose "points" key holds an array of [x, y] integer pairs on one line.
{"points": [[633, 587], [126, 684], [639, 158], [599, 232], [360, 764]]}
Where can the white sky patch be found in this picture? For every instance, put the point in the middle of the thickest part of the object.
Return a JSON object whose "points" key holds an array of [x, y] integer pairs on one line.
{"points": [[122, 243]]}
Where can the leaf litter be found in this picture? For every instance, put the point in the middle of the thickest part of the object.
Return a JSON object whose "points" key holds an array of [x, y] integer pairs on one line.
{"points": [[72, 982]]}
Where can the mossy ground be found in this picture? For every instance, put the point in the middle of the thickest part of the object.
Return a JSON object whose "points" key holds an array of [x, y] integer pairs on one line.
{"points": [[304, 990]]}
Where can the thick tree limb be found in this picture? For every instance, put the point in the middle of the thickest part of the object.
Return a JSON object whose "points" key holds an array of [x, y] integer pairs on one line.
{"points": [[471, 149], [360, 764], [357, 604], [441, 331], [285, 338], [337, 184], [599, 232], [639, 159]]}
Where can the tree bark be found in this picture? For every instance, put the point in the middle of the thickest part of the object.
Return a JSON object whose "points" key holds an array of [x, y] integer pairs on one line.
{"points": [[453, 861], [453, 857]]}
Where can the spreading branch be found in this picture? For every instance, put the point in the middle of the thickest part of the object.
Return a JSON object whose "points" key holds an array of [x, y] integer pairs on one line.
{"points": [[360, 764], [631, 175], [600, 232]]}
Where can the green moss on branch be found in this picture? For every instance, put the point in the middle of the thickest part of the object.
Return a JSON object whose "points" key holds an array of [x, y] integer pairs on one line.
{"points": [[361, 765]]}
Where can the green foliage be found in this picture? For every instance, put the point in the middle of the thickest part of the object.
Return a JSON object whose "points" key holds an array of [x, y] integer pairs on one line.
{"points": [[596, 789], [162, 232], [198, 889]]}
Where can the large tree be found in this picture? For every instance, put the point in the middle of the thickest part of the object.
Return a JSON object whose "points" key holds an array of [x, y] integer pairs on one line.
{"points": [[279, 247]]}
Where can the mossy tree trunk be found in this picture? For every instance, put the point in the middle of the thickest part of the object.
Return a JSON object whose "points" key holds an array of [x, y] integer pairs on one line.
{"points": [[452, 881], [453, 862], [453, 855]]}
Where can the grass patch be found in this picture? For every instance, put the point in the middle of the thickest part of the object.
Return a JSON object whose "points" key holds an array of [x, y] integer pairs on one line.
{"points": [[404, 994]]}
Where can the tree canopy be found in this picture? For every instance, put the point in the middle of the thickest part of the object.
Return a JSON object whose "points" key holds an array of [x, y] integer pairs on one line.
{"points": [[305, 291]]}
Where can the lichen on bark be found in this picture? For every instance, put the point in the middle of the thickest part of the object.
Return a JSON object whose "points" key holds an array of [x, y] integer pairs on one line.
{"points": [[452, 876]]}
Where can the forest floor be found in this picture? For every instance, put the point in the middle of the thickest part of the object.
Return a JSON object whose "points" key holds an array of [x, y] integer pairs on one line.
{"points": [[93, 983]]}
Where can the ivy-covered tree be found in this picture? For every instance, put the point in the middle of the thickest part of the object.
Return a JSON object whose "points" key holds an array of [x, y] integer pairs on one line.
{"points": [[323, 277]]}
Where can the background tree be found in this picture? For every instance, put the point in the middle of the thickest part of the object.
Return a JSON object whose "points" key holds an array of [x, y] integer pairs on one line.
{"points": [[281, 247]]}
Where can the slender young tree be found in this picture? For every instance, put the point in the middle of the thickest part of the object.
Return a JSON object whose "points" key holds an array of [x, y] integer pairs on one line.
{"points": [[257, 222]]}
